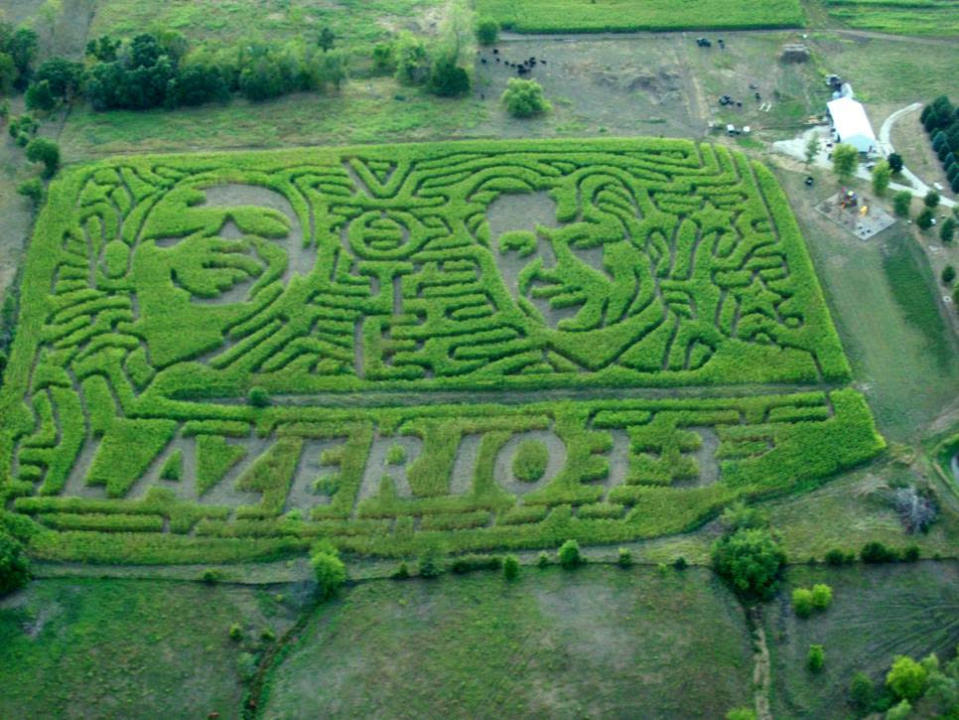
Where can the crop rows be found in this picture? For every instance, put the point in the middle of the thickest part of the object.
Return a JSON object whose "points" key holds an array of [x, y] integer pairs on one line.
{"points": [[160, 292]]}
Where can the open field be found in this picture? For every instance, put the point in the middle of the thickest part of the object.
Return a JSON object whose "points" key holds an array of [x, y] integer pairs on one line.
{"points": [[622, 642], [177, 285], [550, 16], [123, 649]]}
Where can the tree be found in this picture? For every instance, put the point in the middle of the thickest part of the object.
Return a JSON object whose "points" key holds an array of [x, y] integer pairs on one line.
{"points": [[569, 556], [895, 162], [881, 175], [103, 48], [861, 692], [487, 31], [32, 189], [45, 151], [812, 148], [448, 79], [39, 97], [326, 39], [330, 572], [816, 658], [947, 230], [907, 678], [900, 711], [510, 567], [932, 199], [65, 77], [845, 159], [821, 596], [384, 58], [412, 60], [524, 98], [902, 202], [924, 218], [23, 49], [8, 73], [750, 559], [802, 602], [14, 568], [948, 275]]}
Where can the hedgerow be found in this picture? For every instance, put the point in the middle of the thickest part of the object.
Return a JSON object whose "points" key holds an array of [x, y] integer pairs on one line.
{"points": [[159, 291]]}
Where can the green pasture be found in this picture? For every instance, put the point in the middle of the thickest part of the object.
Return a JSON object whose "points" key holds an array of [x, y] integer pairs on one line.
{"points": [[552, 16], [595, 643], [195, 330], [124, 649]]}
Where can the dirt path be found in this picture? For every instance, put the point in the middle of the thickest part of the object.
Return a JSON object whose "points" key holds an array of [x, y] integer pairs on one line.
{"points": [[762, 677]]}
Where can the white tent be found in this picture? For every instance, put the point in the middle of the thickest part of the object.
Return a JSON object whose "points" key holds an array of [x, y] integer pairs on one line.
{"points": [[851, 124]]}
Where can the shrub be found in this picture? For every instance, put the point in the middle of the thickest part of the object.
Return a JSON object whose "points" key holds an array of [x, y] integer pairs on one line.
{"points": [[32, 189], [743, 713], [948, 275], [14, 567], [211, 577], [447, 78], [947, 230], [901, 202], [510, 567], [821, 596], [470, 563], [429, 564], [524, 98], [44, 151], [624, 558], [911, 554], [569, 556], [924, 219], [258, 397], [487, 31], [895, 162], [861, 692], [876, 552], [837, 557], [680, 563], [267, 635], [750, 559], [402, 571], [396, 455], [530, 461], [907, 679], [739, 515], [330, 573], [542, 560], [900, 711], [815, 658], [384, 58], [802, 602], [236, 632], [932, 199]]}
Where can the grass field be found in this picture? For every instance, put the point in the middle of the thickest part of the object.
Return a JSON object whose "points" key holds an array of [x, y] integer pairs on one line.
{"points": [[877, 613], [432, 269], [629, 15], [122, 649], [906, 17], [596, 643]]}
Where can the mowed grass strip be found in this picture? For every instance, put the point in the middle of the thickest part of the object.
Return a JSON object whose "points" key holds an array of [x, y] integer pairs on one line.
{"points": [[532, 16]]}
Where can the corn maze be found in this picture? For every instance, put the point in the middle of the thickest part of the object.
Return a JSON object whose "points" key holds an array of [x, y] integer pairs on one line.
{"points": [[468, 346]]}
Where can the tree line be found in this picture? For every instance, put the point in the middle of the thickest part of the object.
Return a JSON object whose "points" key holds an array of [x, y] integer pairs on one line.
{"points": [[941, 120]]}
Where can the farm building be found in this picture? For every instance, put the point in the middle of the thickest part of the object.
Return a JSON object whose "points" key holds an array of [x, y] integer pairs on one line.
{"points": [[851, 125]]}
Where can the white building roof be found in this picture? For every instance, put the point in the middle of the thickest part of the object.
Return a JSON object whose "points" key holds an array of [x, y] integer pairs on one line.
{"points": [[851, 124]]}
